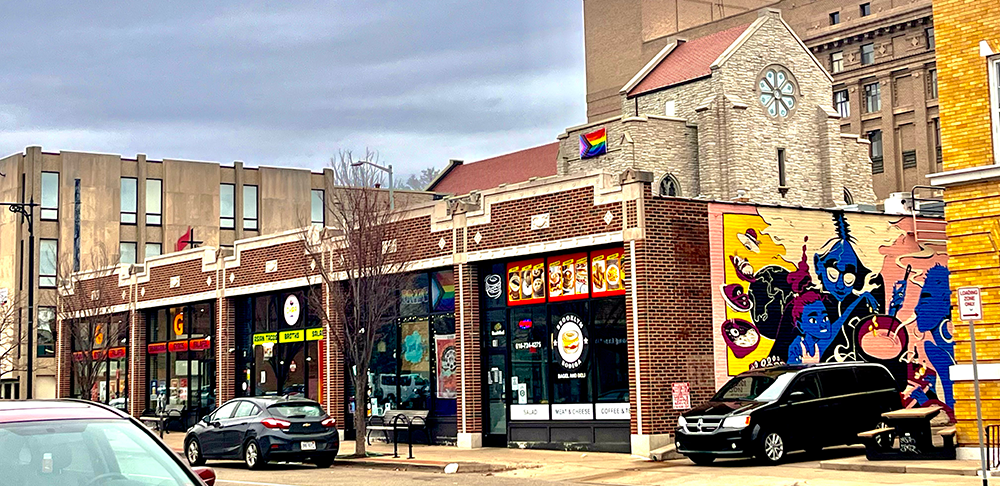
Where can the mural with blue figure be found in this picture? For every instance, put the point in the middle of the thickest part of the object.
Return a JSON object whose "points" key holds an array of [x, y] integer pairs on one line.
{"points": [[780, 309]]}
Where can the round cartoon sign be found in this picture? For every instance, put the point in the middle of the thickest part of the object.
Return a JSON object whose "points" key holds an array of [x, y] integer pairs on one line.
{"points": [[570, 341], [494, 286], [292, 309]]}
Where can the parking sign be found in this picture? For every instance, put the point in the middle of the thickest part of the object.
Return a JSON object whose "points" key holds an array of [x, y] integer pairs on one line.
{"points": [[970, 305]]}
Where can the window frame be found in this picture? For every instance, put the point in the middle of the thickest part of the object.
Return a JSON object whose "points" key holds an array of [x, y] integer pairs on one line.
{"points": [[931, 40], [932, 85], [844, 103], [782, 175], [48, 213], [836, 65], [993, 70], [128, 217], [874, 93], [145, 249], [135, 251], [52, 328], [227, 220], [835, 18], [871, 151], [154, 218], [865, 9], [43, 278], [871, 55], [251, 223], [322, 206], [669, 179]]}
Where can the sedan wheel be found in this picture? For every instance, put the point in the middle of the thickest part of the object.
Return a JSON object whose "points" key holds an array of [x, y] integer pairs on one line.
{"points": [[252, 456], [193, 453], [773, 448]]}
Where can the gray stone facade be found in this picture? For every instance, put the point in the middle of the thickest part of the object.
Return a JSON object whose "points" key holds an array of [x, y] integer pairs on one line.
{"points": [[721, 142]]}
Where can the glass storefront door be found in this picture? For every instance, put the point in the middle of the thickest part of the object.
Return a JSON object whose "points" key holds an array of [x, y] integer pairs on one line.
{"points": [[496, 381]]}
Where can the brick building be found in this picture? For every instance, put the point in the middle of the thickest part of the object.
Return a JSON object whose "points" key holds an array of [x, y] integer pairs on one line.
{"points": [[880, 54], [633, 297], [97, 209], [970, 136]]}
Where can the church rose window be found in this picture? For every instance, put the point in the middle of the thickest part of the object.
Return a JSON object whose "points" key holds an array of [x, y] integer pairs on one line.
{"points": [[777, 92]]}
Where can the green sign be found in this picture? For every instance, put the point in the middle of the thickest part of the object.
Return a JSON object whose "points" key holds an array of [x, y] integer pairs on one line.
{"points": [[265, 338], [314, 334], [292, 336]]}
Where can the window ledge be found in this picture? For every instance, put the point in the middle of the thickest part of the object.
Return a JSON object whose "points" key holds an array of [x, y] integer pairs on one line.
{"points": [[965, 176]]}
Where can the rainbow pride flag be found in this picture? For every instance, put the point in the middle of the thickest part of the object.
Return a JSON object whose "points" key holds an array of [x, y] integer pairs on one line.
{"points": [[594, 143]]}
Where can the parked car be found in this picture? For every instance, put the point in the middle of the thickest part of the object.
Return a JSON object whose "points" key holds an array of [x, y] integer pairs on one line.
{"points": [[767, 413], [262, 429], [64, 442]]}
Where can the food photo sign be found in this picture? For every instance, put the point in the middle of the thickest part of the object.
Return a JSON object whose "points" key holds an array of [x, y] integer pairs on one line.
{"points": [[563, 277], [526, 282]]}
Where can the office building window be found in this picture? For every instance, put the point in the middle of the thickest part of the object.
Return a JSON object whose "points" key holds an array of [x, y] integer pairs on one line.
{"points": [[932, 88], [128, 200], [909, 159], [834, 18], [837, 62], [318, 206], [875, 151], [842, 102], [867, 53], [930, 37], [781, 168], [866, 9], [250, 207], [154, 202], [153, 249], [48, 251], [873, 98], [227, 206], [46, 332], [937, 139], [126, 252], [50, 195]]}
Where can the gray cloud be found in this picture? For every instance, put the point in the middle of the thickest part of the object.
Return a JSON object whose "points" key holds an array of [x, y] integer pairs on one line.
{"points": [[277, 84]]}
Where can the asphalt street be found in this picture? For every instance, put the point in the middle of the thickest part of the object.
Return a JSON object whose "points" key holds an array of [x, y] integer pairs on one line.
{"points": [[236, 474]]}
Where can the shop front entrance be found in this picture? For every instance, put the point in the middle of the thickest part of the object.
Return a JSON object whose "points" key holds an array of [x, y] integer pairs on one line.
{"points": [[555, 352]]}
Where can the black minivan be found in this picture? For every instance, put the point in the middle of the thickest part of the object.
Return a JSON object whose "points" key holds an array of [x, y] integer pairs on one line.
{"points": [[768, 412]]}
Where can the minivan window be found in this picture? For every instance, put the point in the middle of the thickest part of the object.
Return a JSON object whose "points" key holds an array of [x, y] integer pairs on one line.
{"points": [[808, 385], [873, 378], [753, 387], [838, 382]]}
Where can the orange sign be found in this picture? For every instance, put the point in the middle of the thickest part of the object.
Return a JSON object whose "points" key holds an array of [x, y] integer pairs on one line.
{"points": [[177, 346], [156, 348], [179, 324], [568, 277], [200, 344], [526, 282], [115, 353], [606, 274]]}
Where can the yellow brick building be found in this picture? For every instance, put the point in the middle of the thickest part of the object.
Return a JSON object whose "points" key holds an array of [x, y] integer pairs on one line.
{"points": [[968, 41]]}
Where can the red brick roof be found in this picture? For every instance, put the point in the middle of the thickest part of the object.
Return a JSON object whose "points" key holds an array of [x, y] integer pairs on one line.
{"points": [[509, 168], [688, 61]]}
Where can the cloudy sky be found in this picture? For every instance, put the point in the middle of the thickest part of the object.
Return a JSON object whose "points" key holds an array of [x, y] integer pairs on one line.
{"points": [[291, 83]]}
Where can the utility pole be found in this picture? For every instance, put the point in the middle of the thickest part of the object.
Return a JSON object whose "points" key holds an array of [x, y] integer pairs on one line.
{"points": [[26, 210]]}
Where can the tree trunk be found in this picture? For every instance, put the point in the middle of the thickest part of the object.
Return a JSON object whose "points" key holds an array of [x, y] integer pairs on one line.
{"points": [[361, 412]]}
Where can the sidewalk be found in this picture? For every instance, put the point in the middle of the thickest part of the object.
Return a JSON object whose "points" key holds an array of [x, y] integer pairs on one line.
{"points": [[845, 465]]}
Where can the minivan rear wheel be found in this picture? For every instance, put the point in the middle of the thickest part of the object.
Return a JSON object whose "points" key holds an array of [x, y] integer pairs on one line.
{"points": [[702, 459], [772, 447]]}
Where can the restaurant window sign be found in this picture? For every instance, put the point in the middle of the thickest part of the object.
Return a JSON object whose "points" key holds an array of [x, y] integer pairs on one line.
{"points": [[561, 278]]}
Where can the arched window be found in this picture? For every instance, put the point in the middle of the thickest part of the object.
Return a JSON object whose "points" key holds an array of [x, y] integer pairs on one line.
{"points": [[848, 197], [669, 186]]}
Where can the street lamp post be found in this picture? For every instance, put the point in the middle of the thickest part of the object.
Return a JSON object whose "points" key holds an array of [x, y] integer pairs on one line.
{"points": [[26, 210], [392, 199]]}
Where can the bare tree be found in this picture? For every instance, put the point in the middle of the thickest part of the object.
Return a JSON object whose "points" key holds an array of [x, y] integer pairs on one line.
{"points": [[12, 337], [94, 332], [362, 255]]}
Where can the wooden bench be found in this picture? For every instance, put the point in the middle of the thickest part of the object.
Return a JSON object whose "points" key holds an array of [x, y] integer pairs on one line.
{"points": [[399, 420], [868, 434]]}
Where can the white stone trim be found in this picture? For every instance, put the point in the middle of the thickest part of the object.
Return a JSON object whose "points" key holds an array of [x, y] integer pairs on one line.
{"points": [[179, 299], [273, 286], [101, 311], [987, 372], [648, 68], [964, 176], [544, 247]]}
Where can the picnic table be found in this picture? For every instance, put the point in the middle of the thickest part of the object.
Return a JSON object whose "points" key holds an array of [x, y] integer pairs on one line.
{"points": [[913, 428]]}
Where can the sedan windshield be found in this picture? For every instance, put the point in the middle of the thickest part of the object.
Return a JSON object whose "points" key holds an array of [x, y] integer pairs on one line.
{"points": [[90, 452], [762, 388]]}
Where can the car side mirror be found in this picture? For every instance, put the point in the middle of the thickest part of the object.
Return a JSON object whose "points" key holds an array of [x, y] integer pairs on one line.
{"points": [[797, 396], [205, 419], [206, 474]]}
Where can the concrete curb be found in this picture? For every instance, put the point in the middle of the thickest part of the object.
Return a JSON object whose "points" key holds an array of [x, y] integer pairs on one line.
{"points": [[896, 467], [426, 466]]}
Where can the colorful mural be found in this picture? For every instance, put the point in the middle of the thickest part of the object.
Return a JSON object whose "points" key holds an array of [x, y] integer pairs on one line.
{"points": [[810, 286]]}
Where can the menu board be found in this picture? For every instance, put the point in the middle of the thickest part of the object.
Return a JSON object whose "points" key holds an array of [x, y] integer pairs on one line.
{"points": [[568, 277], [526, 282], [607, 276]]}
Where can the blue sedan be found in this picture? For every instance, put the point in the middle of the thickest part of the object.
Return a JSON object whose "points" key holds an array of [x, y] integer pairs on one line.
{"points": [[262, 429]]}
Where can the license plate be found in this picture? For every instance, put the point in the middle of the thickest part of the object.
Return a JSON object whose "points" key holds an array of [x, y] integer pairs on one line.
{"points": [[309, 446]]}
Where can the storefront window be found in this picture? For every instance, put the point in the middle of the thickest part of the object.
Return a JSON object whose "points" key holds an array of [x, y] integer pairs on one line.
{"points": [[529, 355], [181, 361], [414, 371], [610, 351], [570, 348], [100, 364]]}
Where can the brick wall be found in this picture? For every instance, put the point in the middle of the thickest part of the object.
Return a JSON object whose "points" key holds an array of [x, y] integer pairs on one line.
{"points": [[673, 311], [470, 373]]}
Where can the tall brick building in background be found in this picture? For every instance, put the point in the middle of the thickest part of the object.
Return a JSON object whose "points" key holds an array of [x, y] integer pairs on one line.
{"points": [[879, 52], [969, 55]]}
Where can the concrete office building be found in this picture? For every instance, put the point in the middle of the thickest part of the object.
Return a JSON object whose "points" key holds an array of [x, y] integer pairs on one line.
{"points": [[100, 209], [879, 52]]}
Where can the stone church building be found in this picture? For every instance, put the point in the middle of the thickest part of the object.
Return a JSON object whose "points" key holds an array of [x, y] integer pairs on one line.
{"points": [[740, 114]]}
